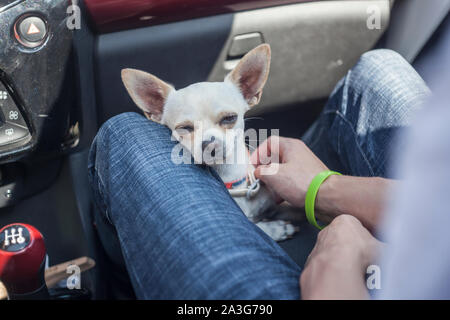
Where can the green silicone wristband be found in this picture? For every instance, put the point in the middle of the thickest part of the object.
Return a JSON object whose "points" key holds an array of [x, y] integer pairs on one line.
{"points": [[312, 193]]}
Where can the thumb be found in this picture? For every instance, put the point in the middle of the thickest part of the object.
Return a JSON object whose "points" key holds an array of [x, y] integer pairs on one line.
{"points": [[266, 173], [257, 172], [269, 180]]}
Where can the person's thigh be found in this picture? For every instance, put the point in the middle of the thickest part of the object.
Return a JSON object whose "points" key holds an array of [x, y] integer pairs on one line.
{"points": [[378, 97], [181, 234]]}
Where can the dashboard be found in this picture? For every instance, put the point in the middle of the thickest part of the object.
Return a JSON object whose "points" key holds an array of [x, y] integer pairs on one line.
{"points": [[35, 46], [39, 108]]}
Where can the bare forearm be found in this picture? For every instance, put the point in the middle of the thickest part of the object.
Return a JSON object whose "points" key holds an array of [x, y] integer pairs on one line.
{"points": [[363, 198]]}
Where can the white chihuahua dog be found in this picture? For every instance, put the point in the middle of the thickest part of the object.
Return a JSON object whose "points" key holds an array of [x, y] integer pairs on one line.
{"points": [[207, 118]]}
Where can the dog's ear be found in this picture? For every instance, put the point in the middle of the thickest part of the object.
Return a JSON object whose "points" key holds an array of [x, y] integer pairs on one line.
{"points": [[147, 91], [250, 75]]}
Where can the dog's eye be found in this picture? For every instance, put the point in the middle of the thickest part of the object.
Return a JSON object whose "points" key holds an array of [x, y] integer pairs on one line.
{"points": [[186, 128], [229, 119]]}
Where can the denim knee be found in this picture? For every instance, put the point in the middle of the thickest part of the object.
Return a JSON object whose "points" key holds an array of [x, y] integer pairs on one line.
{"points": [[378, 96], [112, 136], [129, 128], [124, 121], [118, 141], [379, 58], [387, 75], [382, 90]]}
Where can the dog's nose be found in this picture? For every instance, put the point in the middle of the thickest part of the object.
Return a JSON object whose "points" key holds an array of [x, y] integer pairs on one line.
{"points": [[205, 143]]}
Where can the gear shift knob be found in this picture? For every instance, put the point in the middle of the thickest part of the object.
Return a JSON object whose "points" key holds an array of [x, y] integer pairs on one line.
{"points": [[22, 262]]}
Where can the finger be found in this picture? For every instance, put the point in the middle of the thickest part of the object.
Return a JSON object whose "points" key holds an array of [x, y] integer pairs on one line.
{"points": [[274, 146], [270, 151], [261, 156], [255, 156], [257, 172], [266, 172], [268, 182]]}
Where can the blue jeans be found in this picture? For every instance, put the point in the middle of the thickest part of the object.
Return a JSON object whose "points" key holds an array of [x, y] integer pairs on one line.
{"points": [[181, 234]]}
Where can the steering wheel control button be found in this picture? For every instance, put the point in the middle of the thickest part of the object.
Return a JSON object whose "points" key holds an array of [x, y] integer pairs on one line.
{"points": [[14, 238], [10, 133], [11, 113], [31, 31]]}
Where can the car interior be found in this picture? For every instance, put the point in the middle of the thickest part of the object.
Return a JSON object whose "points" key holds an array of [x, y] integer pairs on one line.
{"points": [[60, 64]]}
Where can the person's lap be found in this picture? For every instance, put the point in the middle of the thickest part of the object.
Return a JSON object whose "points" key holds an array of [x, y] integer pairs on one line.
{"points": [[356, 130], [181, 234]]}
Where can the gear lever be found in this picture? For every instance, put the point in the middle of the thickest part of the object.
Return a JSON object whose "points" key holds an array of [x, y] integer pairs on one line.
{"points": [[22, 262]]}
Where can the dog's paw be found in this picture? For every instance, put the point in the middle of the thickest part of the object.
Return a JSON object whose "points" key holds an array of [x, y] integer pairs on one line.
{"points": [[278, 230]]}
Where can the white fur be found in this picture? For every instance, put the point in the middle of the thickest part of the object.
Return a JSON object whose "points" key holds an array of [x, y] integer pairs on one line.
{"points": [[203, 105]]}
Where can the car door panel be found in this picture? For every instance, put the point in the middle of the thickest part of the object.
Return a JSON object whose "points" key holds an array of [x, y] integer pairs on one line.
{"points": [[116, 15], [313, 45]]}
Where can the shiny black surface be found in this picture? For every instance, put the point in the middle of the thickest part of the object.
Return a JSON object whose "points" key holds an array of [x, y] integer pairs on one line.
{"points": [[6, 4], [37, 78], [13, 128]]}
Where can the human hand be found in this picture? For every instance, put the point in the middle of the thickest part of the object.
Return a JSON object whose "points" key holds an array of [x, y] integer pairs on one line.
{"points": [[336, 267], [291, 169]]}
